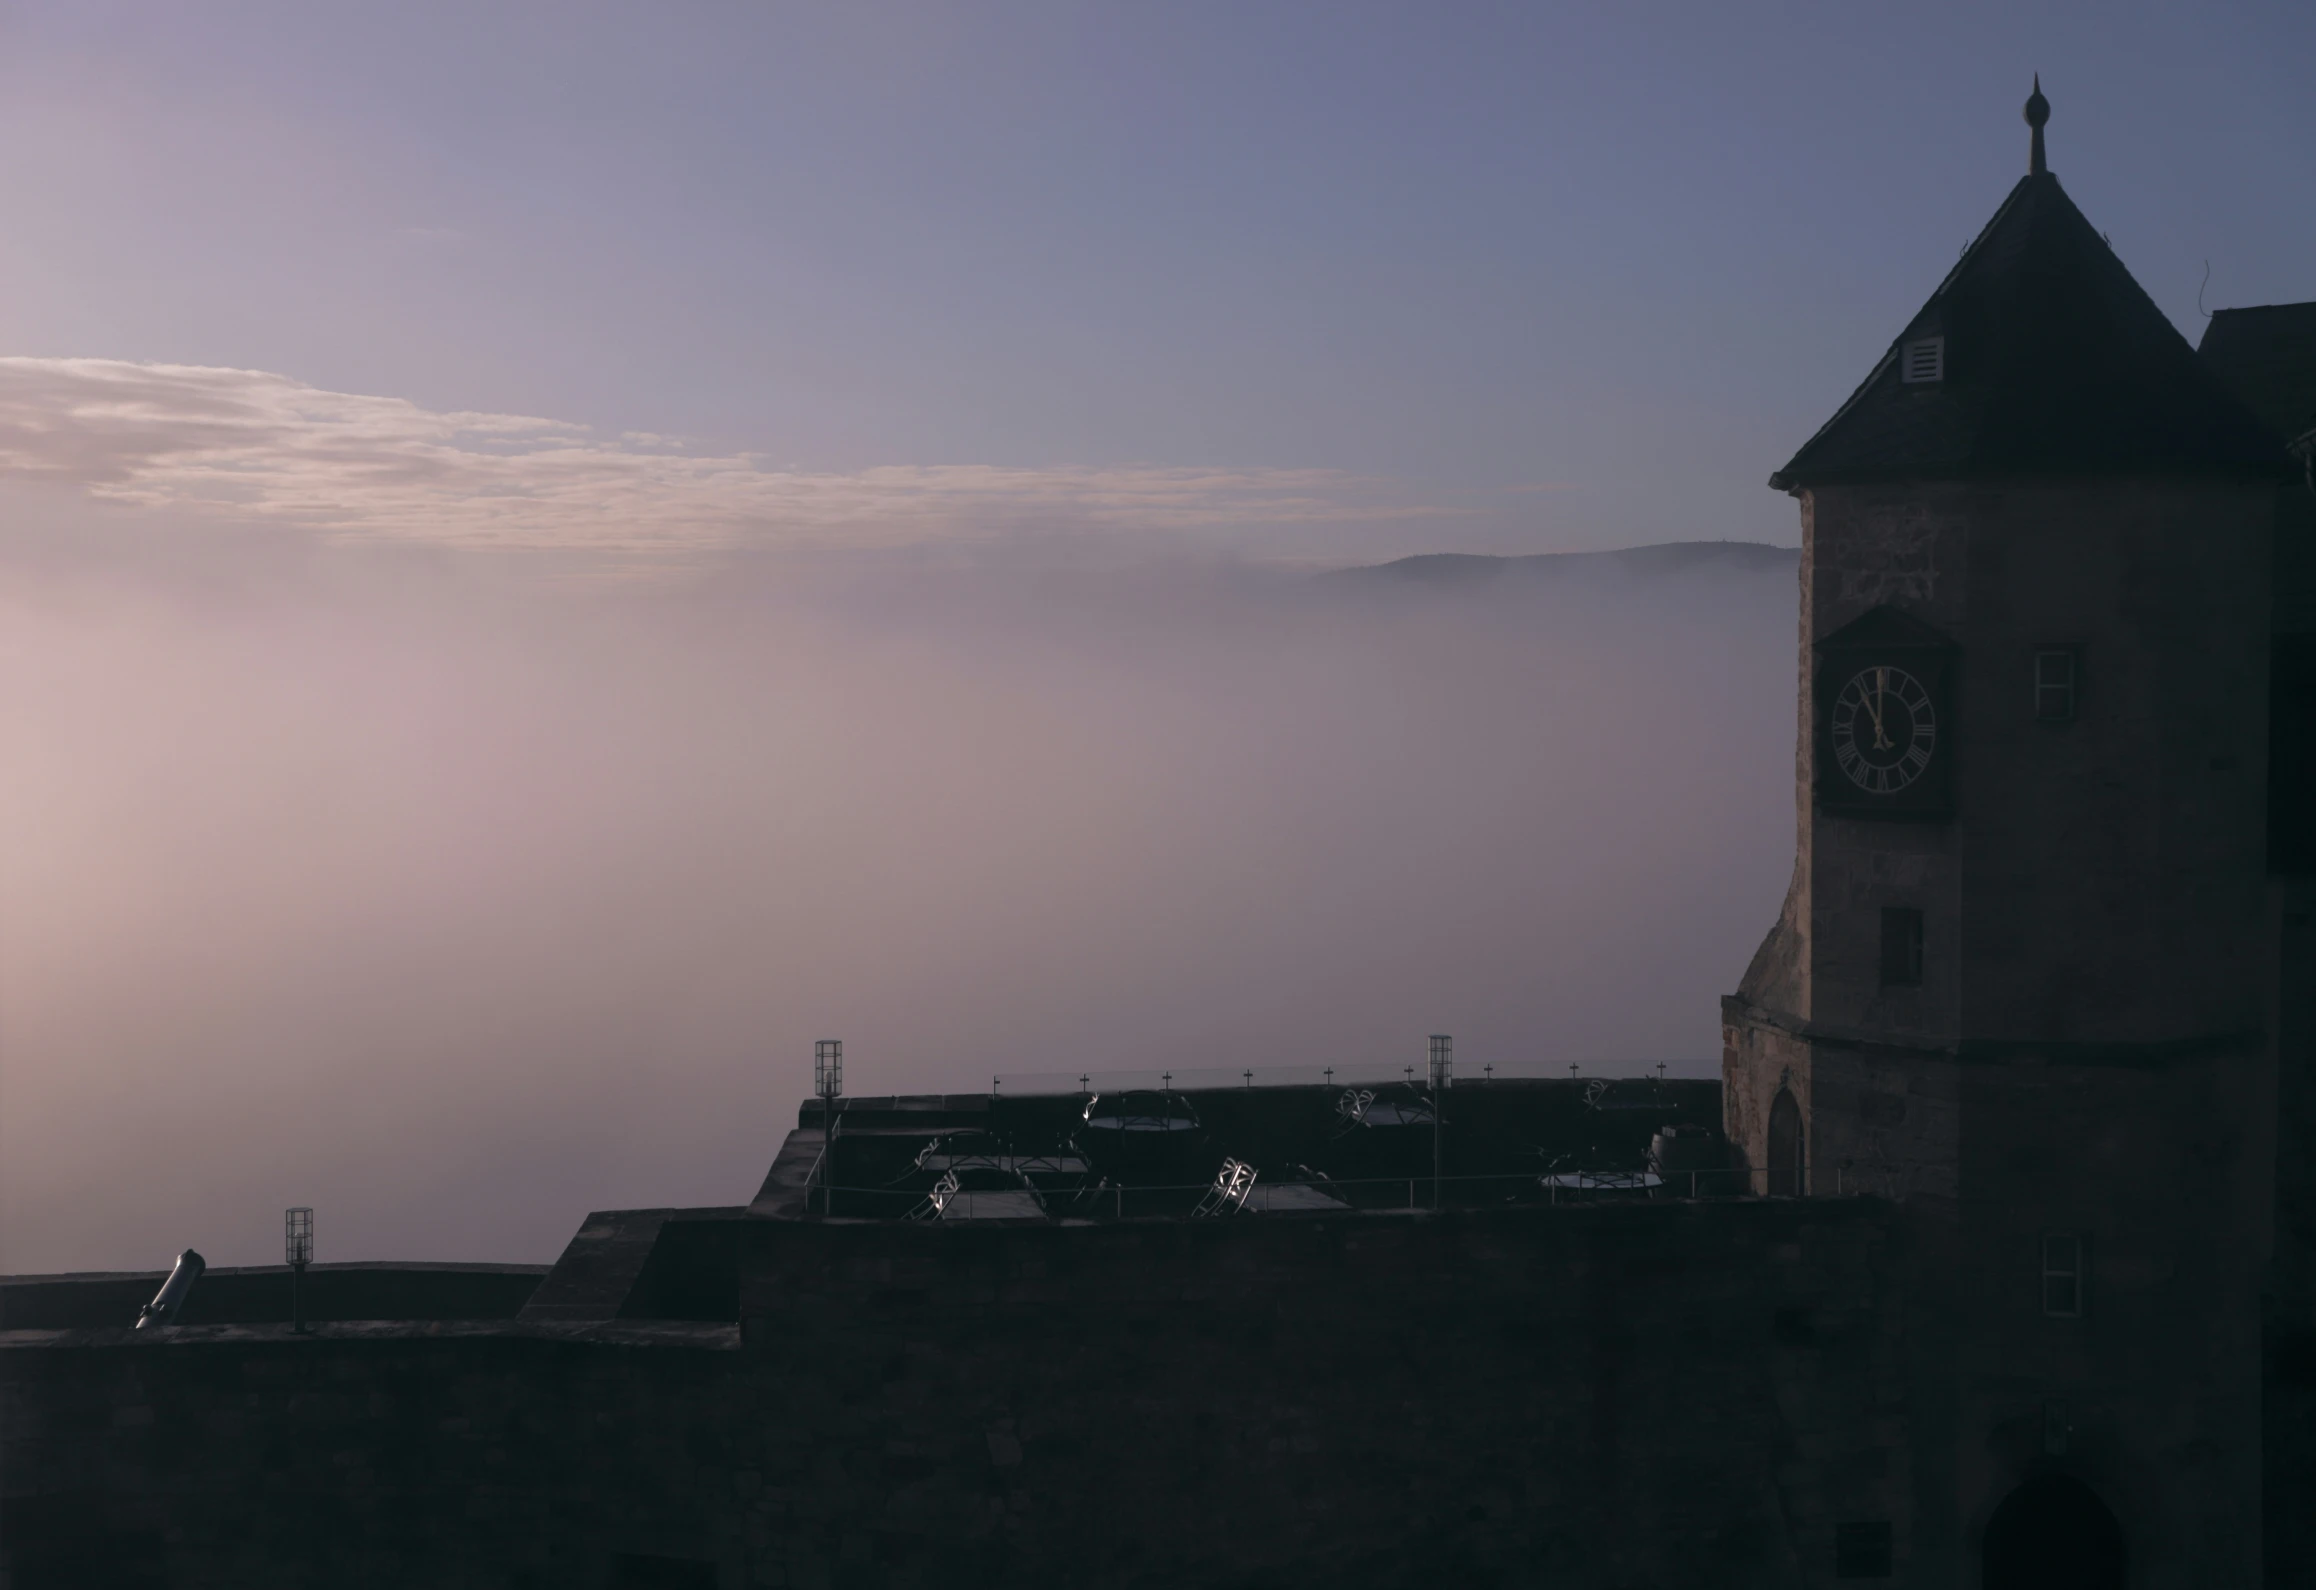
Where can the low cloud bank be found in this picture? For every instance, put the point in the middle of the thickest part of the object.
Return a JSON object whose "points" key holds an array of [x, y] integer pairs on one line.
{"points": [[456, 904], [255, 445]]}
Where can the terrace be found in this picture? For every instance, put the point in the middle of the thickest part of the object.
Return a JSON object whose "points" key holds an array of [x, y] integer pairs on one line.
{"points": [[1192, 1146]]}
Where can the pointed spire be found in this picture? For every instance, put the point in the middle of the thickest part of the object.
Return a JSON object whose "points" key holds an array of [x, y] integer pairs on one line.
{"points": [[2038, 111]]}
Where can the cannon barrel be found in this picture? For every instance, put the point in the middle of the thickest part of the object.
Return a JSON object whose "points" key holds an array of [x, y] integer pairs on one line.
{"points": [[167, 1301]]}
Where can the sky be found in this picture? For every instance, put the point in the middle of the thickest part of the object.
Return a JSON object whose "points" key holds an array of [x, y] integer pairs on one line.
{"points": [[1518, 278], [552, 555]]}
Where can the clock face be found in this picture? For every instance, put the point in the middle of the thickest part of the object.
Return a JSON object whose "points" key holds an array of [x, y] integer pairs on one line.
{"points": [[1884, 729]]}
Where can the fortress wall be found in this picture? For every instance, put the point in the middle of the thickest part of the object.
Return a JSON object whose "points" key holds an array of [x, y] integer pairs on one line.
{"points": [[1676, 1394], [2156, 1383], [1887, 1122], [261, 1295]]}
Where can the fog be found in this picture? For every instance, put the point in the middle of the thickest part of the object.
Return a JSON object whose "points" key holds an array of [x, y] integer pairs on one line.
{"points": [[458, 896]]}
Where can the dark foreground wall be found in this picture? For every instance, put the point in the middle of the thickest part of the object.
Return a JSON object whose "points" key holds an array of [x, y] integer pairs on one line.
{"points": [[1664, 1395], [260, 1294]]}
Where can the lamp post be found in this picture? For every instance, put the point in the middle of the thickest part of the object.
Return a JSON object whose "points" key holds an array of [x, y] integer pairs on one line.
{"points": [[297, 1241], [828, 1082], [1442, 1072]]}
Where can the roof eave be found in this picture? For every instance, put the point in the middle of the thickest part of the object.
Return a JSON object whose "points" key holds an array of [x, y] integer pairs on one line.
{"points": [[1793, 482], [1786, 479]]}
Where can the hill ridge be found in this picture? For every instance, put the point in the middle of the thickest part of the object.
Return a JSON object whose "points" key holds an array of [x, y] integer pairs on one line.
{"points": [[1656, 558]]}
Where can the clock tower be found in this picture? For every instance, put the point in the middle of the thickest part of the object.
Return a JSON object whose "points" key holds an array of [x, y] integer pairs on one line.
{"points": [[2021, 980]]}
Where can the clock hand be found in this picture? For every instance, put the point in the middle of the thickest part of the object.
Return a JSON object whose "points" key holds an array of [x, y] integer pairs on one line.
{"points": [[1881, 739]]}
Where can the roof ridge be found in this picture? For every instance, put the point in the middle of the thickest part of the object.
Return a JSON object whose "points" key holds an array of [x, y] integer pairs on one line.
{"points": [[1778, 481], [2054, 359]]}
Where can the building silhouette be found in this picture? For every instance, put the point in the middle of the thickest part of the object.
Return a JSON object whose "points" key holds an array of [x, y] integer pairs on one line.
{"points": [[2026, 978], [1987, 1263]]}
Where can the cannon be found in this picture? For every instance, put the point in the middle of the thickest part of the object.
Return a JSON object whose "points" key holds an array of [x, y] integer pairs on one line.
{"points": [[167, 1301]]}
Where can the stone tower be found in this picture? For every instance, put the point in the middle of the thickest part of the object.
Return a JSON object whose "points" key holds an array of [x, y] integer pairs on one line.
{"points": [[2021, 979]]}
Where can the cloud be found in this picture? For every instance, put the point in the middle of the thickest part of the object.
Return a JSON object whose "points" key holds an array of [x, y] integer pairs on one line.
{"points": [[459, 905], [256, 445]]}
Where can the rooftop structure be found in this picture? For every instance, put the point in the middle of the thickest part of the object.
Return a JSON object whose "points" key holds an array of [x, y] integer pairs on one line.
{"points": [[1155, 1153], [2038, 353], [2266, 356]]}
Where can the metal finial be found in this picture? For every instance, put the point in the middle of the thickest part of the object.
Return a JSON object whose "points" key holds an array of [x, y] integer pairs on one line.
{"points": [[2038, 111]]}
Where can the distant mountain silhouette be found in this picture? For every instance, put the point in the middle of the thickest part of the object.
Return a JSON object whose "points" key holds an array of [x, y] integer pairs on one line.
{"points": [[1666, 557]]}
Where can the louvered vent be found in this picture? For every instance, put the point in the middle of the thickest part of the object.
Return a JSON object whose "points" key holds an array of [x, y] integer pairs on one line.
{"points": [[1923, 359]]}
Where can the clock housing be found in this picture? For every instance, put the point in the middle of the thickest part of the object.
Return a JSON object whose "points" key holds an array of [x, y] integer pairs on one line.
{"points": [[1885, 719]]}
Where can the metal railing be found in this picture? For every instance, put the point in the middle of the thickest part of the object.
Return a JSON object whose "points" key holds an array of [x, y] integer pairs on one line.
{"points": [[1371, 1194], [1365, 1073]]}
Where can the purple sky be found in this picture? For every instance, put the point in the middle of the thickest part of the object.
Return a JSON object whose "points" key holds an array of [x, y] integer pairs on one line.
{"points": [[552, 555], [1630, 253]]}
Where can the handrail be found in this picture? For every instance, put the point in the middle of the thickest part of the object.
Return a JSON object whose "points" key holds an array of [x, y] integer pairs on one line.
{"points": [[816, 1177], [1349, 1072], [1578, 1186]]}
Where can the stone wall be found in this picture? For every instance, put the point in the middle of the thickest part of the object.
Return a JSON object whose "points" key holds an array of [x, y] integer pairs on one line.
{"points": [[1758, 1059], [1888, 1123], [2161, 1171], [2102, 879], [260, 1294], [2088, 1050], [1667, 1395], [1906, 547]]}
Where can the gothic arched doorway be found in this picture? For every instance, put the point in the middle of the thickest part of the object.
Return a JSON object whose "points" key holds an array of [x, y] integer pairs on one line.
{"points": [[1786, 1151], [2053, 1533]]}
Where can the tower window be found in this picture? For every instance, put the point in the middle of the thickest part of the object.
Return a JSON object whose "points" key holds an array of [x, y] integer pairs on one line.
{"points": [[1901, 947], [2062, 1274], [2057, 669], [1923, 359]]}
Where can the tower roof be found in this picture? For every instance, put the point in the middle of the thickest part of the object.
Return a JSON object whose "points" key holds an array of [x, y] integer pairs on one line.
{"points": [[2051, 359], [2267, 357]]}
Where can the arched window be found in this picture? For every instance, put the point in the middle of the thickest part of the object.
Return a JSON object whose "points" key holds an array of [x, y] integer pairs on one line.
{"points": [[2053, 1533], [1788, 1153]]}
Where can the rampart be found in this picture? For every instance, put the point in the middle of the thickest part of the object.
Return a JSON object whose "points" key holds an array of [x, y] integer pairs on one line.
{"points": [[1669, 1394], [261, 1294]]}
